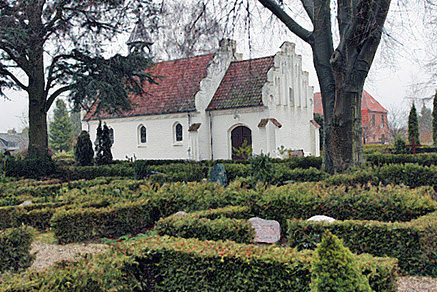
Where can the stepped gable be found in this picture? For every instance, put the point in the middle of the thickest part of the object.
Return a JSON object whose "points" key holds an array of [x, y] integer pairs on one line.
{"points": [[178, 82], [242, 84], [367, 103]]}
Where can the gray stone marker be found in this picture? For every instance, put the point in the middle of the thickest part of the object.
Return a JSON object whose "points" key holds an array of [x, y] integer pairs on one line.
{"points": [[25, 203], [321, 218], [266, 231], [180, 213], [218, 174]]}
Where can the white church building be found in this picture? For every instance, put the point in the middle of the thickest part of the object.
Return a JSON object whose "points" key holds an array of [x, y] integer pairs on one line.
{"points": [[207, 106]]}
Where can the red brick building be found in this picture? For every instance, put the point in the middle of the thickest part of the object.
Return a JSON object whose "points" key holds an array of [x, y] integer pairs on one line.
{"points": [[373, 116]]}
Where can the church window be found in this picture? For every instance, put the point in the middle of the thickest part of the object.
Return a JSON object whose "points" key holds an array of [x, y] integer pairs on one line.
{"points": [[143, 134], [178, 132], [382, 120], [373, 120], [291, 96]]}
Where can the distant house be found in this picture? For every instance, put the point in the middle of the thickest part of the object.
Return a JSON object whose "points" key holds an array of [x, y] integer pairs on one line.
{"points": [[373, 116], [13, 141]]}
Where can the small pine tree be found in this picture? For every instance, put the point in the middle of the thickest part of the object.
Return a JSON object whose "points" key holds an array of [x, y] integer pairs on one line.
{"points": [[334, 268], [103, 145], [61, 129], [413, 126], [434, 119], [83, 150]]}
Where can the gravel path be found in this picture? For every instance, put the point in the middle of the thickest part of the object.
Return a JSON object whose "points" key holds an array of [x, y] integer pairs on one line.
{"points": [[47, 254]]}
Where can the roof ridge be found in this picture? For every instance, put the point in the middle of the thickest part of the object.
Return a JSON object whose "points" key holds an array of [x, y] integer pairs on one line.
{"points": [[255, 59], [186, 58]]}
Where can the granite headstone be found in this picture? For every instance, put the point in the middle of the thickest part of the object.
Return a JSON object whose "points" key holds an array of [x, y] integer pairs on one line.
{"points": [[218, 174], [266, 231]]}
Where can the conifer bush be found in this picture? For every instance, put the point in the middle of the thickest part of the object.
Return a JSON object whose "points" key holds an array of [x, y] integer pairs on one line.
{"points": [[335, 268], [83, 150]]}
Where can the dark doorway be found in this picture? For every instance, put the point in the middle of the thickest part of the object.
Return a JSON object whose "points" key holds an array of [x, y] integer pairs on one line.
{"points": [[241, 138]]}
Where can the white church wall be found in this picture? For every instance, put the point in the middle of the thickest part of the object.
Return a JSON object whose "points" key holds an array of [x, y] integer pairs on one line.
{"points": [[224, 121], [161, 141]]}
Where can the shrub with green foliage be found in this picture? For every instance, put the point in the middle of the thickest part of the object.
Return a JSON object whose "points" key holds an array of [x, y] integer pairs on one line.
{"points": [[400, 147], [215, 224], [29, 168], [415, 248], [103, 145], [74, 225], [15, 249], [141, 169], [83, 150], [413, 126], [420, 159], [412, 175], [261, 168], [335, 268]]}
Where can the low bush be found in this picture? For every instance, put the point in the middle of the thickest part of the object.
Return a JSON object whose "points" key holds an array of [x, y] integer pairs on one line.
{"points": [[74, 225], [421, 159], [37, 215], [29, 168], [97, 273], [15, 249], [205, 229], [334, 268], [215, 224], [194, 265], [304, 200], [413, 243], [411, 175]]}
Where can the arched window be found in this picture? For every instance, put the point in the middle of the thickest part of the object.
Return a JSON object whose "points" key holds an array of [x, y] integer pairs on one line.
{"points": [[178, 132], [143, 134]]}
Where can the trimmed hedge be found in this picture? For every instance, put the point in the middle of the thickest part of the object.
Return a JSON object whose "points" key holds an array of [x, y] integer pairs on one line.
{"points": [[15, 249], [421, 159], [304, 200], [411, 175], [75, 225], [218, 224], [414, 243], [37, 216], [194, 265]]}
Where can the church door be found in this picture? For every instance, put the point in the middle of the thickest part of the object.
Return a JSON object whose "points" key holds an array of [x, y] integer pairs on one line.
{"points": [[241, 138]]}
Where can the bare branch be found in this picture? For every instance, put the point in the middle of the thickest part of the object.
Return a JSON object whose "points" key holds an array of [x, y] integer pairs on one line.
{"points": [[292, 25]]}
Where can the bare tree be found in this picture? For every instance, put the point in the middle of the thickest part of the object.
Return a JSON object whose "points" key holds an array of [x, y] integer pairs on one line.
{"points": [[186, 29], [397, 123]]}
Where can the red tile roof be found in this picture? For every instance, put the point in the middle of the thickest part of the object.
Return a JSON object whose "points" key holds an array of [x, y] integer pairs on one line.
{"points": [[367, 103], [242, 84], [175, 92]]}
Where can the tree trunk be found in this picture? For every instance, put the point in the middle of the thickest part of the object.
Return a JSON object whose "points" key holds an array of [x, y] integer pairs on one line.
{"points": [[38, 135]]}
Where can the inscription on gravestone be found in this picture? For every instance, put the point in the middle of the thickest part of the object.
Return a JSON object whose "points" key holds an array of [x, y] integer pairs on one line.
{"points": [[218, 174], [266, 231]]}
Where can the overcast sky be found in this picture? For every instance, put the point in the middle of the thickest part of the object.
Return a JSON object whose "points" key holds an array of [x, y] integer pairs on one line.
{"points": [[390, 80]]}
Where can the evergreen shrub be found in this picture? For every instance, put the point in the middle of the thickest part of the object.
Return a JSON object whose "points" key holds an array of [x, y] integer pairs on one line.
{"points": [[83, 150], [228, 266], [335, 268], [15, 249], [215, 224], [75, 225], [413, 245]]}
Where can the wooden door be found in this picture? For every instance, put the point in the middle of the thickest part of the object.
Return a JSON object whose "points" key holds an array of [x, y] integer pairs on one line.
{"points": [[238, 137]]}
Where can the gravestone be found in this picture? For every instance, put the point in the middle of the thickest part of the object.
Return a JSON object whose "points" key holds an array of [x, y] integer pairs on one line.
{"points": [[266, 231], [321, 218], [180, 213], [25, 203], [218, 174]]}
